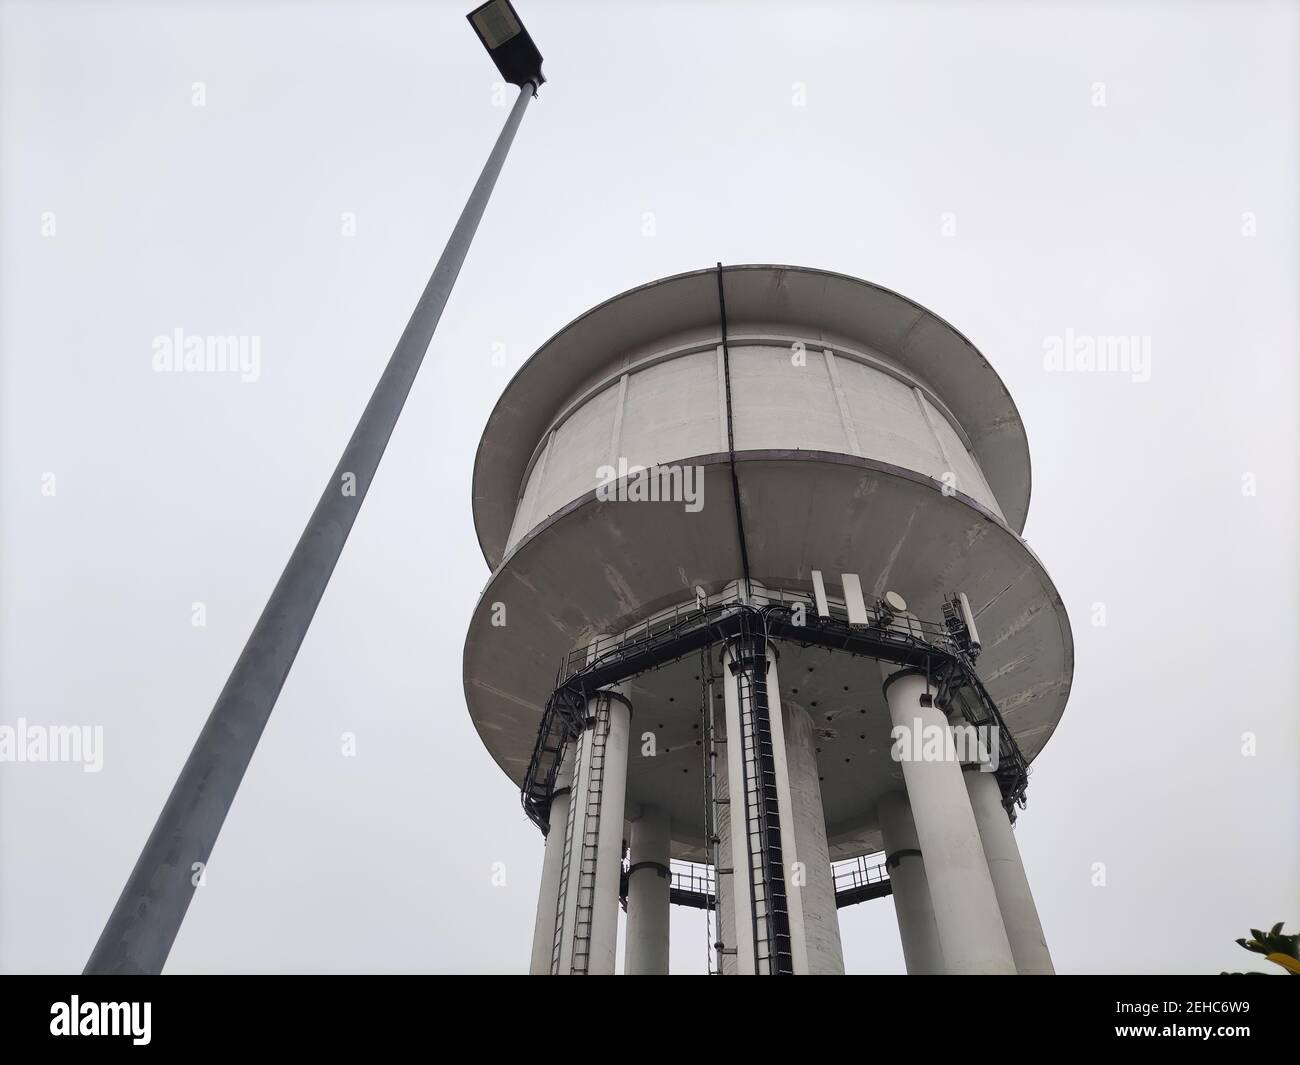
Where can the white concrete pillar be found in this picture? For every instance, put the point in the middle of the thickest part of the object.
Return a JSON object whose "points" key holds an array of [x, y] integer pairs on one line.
{"points": [[589, 882], [909, 887], [808, 859], [965, 906], [1019, 914], [552, 860], [648, 884], [609, 863]]}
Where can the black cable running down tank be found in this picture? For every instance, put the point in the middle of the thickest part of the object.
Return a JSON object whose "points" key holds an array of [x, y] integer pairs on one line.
{"points": [[731, 439]]}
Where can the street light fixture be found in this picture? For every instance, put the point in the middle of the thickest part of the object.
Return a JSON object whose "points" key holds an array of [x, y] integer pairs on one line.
{"points": [[142, 927], [508, 43]]}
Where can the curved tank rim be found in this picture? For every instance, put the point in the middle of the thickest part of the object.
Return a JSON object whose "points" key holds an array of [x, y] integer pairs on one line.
{"points": [[476, 674], [502, 431]]}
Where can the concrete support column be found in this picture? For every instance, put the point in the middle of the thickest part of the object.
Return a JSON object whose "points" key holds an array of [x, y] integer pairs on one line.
{"points": [[609, 860], [648, 885], [808, 856], [552, 862], [589, 879], [1019, 914], [910, 888], [966, 909]]}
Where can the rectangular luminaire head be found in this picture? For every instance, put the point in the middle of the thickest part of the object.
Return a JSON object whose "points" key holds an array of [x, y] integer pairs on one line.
{"points": [[507, 42]]}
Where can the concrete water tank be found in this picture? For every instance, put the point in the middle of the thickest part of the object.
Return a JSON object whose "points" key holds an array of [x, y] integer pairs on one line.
{"points": [[798, 421]]}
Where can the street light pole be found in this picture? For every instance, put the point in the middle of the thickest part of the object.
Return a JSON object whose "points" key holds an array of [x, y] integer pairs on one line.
{"points": [[143, 925]]}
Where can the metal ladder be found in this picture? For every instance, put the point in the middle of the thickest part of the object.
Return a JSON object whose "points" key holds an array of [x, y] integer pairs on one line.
{"points": [[769, 906], [713, 799], [562, 896], [588, 787]]}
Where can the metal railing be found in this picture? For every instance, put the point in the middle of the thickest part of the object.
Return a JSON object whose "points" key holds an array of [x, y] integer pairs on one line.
{"points": [[604, 648], [838, 611], [860, 879], [672, 633], [694, 885]]}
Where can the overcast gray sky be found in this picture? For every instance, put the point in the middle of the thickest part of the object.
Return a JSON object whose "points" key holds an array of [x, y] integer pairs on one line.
{"points": [[1021, 169]]}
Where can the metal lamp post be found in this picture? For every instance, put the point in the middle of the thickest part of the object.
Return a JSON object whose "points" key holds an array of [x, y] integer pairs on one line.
{"points": [[143, 925]]}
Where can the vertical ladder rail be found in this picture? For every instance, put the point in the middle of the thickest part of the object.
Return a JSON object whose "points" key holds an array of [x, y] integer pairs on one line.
{"points": [[576, 789], [715, 946], [755, 862], [779, 910]]}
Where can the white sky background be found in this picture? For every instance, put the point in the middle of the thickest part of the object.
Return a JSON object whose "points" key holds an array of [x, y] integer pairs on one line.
{"points": [[171, 489]]}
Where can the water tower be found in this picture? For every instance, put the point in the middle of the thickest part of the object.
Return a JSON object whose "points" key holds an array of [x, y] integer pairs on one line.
{"points": [[757, 575]]}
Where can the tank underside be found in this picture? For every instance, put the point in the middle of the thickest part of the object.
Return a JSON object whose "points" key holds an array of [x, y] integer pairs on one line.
{"points": [[601, 567]]}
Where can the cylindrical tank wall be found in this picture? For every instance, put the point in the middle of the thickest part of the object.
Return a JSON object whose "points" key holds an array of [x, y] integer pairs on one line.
{"points": [[786, 394]]}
